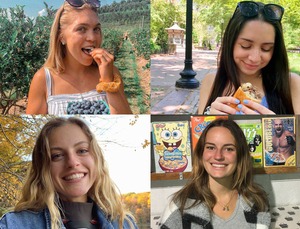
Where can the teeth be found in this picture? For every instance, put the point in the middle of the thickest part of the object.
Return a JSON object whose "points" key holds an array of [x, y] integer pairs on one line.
{"points": [[88, 49], [170, 144], [218, 165], [74, 176], [174, 144]]}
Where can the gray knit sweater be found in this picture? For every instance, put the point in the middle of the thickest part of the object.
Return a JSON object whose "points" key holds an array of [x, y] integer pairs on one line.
{"points": [[199, 217]]}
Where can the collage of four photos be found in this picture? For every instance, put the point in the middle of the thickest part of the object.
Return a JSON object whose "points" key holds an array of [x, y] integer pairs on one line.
{"points": [[149, 114]]}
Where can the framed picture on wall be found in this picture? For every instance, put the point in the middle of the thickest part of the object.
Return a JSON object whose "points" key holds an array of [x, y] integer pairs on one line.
{"points": [[172, 146], [279, 141]]}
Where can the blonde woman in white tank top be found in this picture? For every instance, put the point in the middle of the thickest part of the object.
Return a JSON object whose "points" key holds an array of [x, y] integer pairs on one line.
{"points": [[74, 66]]}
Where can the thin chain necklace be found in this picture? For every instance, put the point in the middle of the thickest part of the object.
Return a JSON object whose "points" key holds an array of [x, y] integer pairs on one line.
{"points": [[226, 207]]}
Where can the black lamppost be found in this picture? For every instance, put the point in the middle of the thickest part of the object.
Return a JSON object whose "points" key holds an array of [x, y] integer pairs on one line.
{"points": [[187, 79]]}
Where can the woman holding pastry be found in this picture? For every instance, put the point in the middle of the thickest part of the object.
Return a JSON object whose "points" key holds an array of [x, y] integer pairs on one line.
{"points": [[78, 76], [220, 192], [253, 52]]}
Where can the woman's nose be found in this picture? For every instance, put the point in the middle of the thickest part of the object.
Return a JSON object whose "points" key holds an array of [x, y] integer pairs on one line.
{"points": [[218, 155], [255, 55], [91, 36], [72, 161]]}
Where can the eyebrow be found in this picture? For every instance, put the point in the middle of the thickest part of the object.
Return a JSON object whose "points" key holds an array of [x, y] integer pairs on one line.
{"points": [[86, 24], [76, 144], [229, 144], [267, 43]]}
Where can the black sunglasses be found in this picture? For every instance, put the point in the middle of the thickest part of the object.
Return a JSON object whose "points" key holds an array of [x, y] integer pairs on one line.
{"points": [[250, 9], [79, 3]]}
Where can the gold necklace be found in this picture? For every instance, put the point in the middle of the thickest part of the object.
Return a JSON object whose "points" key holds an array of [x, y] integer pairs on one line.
{"points": [[226, 207]]}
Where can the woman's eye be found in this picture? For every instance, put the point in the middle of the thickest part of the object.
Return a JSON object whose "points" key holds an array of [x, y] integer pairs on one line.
{"points": [[82, 151], [81, 29], [245, 47], [229, 149], [210, 147], [266, 50], [97, 29], [56, 157]]}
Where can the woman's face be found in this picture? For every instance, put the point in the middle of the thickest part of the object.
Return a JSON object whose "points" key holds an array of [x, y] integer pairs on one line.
{"points": [[220, 156], [81, 34], [72, 164], [253, 48]]}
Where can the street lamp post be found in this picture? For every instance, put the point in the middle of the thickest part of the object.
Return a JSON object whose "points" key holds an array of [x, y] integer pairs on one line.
{"points": [[187, 79], [222, 22]]}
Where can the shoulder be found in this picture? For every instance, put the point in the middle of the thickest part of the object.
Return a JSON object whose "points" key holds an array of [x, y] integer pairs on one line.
{"points": [[205, 91], [198, 214], [209, 79], [39, 81], [19, 219], [171, 217], [295, 88], [263, 219], [295, 79], [126, 224]]}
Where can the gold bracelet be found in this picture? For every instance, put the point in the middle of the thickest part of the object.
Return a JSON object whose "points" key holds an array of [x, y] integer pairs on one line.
{"points": [[109, 86]]}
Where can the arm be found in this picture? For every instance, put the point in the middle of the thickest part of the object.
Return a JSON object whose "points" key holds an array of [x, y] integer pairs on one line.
{"points": [[295, 88], [118, 103], [205, 90], [37, 103], [221, 104]]}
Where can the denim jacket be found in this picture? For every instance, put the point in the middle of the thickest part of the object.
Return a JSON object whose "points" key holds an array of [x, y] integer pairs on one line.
{"points": [[32, 220]]}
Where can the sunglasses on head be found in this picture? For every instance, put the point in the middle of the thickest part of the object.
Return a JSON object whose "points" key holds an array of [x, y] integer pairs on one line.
{"points": [[79, 3], [250, 9]]}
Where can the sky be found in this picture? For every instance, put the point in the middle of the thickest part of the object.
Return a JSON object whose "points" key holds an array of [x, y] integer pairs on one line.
{"points": [[33, 7], [122, 144]]}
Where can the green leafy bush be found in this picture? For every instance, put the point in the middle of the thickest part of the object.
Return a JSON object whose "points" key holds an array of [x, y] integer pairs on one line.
{"points": [[23, 49], [140, 39]]}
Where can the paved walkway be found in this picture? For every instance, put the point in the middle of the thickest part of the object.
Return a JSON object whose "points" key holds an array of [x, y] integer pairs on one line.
{"points": [[165, 69]]}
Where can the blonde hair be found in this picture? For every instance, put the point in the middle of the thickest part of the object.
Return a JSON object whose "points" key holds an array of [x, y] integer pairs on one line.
{"points": [[57, 50], [38, 190], [197, 186]]}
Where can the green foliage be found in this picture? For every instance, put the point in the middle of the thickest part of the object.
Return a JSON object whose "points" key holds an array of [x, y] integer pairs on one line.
{"points": [[112, 40], [126, 63], [208, 15], [140, 39], [163, 15], [126, 12], [294, 62], [23, 49]]}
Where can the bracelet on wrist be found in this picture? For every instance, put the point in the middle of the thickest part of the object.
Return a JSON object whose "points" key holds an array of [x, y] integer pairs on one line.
{"points": [[113, 86]]}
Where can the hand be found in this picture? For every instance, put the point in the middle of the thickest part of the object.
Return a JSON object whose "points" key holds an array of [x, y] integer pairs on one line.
{"points": [[251, 107], [105, 63], [290, 140], [222, 105]]}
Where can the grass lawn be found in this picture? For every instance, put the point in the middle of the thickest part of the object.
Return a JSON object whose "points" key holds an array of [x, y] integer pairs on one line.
{"points": [[294, 62]]}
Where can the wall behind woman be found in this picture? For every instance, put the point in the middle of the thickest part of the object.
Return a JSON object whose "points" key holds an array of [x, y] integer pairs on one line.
{"points": [[282, 188]]}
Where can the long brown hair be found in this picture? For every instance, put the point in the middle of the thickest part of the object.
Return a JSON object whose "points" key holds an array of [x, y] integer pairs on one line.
{"points": [[197, 186], [275, 76]]}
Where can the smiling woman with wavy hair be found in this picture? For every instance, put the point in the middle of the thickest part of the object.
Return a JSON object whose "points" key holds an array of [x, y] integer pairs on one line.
{"points": [[68, 183], [220, 185]]}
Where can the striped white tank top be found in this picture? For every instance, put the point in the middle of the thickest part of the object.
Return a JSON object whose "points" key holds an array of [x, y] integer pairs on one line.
{"points": [[58, 104]]}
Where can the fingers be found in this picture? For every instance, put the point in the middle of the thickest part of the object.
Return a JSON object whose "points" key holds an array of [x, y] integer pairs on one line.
{"points": [[102, 57], [222, 105], [105, 63], [251, 107]]}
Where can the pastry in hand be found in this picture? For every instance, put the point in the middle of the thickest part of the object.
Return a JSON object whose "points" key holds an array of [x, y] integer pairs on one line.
{"points": [[249, 92]]}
